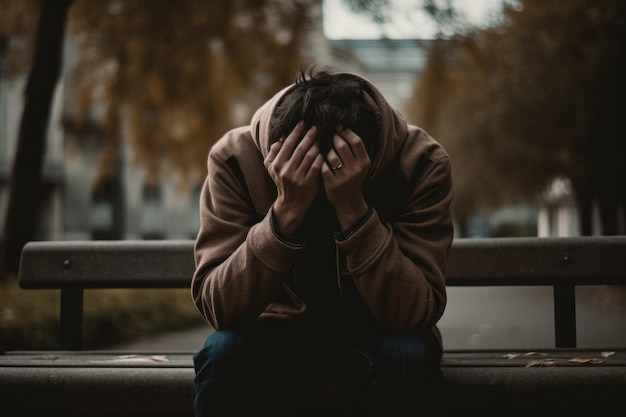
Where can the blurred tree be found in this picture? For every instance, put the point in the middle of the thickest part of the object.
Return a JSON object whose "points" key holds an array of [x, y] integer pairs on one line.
{"points": [[535, 98], [167, 75], [25, 186]]}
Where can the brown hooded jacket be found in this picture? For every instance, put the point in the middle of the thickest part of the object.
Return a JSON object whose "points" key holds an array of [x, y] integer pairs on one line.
{"points": [[397, 259]]}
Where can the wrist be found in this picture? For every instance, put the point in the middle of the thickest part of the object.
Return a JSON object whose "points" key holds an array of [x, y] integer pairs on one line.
{"points": [[350, 214], [287, 220]]}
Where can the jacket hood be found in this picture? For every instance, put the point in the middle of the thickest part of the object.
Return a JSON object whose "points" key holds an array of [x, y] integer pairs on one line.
{"points": [[392, 125]]}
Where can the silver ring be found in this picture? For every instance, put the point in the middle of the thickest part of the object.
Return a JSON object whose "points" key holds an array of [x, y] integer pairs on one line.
{"points": [[337, 167]]}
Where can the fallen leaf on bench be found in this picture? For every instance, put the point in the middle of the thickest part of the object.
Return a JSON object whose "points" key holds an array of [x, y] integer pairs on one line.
{"points": [[134, 359], [608, 354], [511, 355], [541, 362], [586, 360], [535, 354]]}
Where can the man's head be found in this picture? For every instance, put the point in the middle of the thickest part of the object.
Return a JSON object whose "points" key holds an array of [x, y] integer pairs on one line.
{"points": [[326, 100]]}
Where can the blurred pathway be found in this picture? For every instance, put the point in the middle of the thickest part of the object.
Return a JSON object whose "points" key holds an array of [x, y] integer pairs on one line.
{"points": [[187, 340], [482, 318]]}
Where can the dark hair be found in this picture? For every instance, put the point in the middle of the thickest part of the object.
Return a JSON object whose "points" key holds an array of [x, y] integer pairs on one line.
{"points": [[326, 100]]}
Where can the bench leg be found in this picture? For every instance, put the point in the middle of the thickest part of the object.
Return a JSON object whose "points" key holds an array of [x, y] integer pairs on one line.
{"points": [[71, 319], [565, 315]]}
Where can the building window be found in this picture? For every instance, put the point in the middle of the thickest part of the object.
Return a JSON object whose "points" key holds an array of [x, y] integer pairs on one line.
{"points": [[152, 213], [106, 212]]}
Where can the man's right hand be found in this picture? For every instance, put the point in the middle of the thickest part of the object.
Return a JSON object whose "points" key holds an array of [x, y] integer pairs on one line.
{"points": [[294, 164]]}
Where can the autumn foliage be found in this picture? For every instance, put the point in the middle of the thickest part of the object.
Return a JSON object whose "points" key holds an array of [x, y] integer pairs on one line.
{"points": [[172, 77], [537, 97]]}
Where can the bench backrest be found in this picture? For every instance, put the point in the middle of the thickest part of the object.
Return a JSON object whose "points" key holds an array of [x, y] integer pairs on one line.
{"points": [[559, 262]]}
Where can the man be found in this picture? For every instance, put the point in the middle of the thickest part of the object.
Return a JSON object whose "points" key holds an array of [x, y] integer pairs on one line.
{"points": [[322, 255]]}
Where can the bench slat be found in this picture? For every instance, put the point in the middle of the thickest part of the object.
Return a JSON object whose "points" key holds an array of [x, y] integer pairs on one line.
{"points": [[473, 262], [586, 260], [107, 264]]}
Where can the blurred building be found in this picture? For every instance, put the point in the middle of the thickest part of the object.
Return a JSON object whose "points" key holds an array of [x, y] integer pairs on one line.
{"points": [[393, 65], [558, 214]]}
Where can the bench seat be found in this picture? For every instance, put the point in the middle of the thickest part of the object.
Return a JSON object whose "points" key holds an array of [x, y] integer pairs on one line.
{"points": [[491, 382]]}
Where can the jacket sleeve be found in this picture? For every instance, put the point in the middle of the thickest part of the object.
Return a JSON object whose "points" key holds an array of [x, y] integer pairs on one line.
{"points": [[399, 265], [241, 266]]}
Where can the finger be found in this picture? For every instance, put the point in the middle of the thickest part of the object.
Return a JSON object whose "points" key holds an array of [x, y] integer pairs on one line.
{"points": [[316, 166], [290, 143], [310, 157], [308, 143], [341, 148], [333, 161], [354, 141], [271, 156], [327, 173]]}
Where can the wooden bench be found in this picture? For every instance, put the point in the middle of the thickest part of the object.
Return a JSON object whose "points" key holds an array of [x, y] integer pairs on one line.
{"points": [[563, 380]]}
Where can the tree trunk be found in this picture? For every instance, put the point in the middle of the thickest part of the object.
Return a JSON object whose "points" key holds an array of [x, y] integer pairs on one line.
{"points": [[25, 198]]}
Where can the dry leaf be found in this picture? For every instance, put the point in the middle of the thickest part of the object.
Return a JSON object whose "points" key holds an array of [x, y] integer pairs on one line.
{"points": [[511, 355], [586, 360], [541, 362], [134, 359], [535, 354]]}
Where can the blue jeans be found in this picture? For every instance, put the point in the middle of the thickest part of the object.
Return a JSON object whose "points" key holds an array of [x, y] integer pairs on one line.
{"points": [[270, 366]]}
